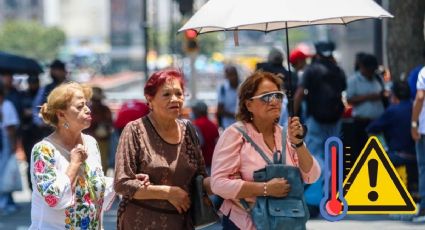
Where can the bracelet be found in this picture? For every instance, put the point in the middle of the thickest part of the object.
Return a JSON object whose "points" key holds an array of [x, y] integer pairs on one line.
{"points": [[265, 189]]}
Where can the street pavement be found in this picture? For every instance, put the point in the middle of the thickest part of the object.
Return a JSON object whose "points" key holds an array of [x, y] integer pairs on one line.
{"points": [[22, 219]]}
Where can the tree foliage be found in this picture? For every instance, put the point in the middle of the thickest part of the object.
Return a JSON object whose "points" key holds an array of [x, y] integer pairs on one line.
{"points": [[31, 39]]}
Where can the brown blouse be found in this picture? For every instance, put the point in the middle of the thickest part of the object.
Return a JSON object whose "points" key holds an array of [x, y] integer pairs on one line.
{"points": [[142, 150]]}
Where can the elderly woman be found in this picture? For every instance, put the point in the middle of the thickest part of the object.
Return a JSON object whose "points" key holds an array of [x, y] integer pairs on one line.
{"points": [[161, 146], [235, 159], [70, 190]]}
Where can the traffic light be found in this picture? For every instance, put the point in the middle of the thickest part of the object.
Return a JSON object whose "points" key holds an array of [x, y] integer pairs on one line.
{"points": [[190, 42], [185, 7]]}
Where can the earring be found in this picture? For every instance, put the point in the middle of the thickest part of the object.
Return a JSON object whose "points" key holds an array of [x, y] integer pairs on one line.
{"points": [[66, 125]]}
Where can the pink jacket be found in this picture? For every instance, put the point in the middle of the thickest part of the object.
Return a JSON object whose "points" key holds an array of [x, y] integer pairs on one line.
{"points": [[232, 155]]}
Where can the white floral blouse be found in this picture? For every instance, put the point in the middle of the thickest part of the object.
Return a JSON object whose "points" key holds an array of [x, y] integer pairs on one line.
{"points": [[54, 205]]}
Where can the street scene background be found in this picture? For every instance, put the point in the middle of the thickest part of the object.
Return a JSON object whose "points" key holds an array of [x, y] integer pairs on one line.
{"points": [[117, 44]]}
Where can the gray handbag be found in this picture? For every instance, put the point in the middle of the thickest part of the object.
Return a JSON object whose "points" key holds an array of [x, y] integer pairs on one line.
{"points": [[287, 213]]}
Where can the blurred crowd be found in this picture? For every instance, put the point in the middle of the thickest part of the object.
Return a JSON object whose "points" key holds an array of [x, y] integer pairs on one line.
{"points": [[327, 101]]}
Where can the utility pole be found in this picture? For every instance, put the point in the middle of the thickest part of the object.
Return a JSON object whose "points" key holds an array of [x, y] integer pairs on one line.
{"points": [[377, 37], [145, 38]]}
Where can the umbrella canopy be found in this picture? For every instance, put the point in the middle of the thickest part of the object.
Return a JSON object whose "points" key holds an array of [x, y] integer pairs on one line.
{"points": [[271, 15], [19, 64]]}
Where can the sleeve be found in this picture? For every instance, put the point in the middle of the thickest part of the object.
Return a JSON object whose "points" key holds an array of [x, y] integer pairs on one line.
{"points": [[53, 185], [312, 175], [420, 84], [102, 183], [110, 194], [221, 94], [380, 125], [308, 177], [226, 161], [351, 87], [194, 138], [125, 182], [10, 116]]}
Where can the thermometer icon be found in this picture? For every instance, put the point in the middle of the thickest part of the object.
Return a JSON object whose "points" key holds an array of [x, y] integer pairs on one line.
{"points": [[333, 205]]}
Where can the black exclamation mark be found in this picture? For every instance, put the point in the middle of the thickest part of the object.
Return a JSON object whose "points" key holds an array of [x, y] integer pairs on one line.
{"points": [[373, 177]]}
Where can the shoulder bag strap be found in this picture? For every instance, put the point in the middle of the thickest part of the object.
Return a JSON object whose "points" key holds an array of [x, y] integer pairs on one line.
{"points": [[284, 129], [256, 147]]}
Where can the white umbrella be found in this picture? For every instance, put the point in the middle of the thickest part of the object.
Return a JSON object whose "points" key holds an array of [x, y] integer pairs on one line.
{"points": [[271, 15]]}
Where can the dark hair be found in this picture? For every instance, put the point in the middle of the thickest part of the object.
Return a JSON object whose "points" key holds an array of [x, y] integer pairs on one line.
{"points": [[358, 56], [248, 89], [368, 61], [58, 64], [230, 70], [401, 90], [158, 78], [200, 109]]}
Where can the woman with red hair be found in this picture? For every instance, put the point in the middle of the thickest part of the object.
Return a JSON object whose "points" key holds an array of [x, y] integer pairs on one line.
{"points": [[162, 146]]}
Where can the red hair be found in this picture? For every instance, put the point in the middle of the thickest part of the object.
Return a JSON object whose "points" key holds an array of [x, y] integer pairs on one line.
{"points": [[158, 78]]}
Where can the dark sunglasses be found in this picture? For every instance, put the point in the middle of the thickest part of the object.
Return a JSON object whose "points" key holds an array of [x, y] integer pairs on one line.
{"points": [[268, 97]]}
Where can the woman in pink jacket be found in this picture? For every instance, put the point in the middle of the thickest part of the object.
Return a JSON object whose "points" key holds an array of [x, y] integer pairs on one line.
{"points": [[235, 159]]}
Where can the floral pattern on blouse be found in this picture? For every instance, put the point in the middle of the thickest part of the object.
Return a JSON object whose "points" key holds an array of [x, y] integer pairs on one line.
{"points": [[85, 210]]}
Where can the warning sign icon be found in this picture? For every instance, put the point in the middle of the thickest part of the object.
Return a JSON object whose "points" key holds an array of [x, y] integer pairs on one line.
{"points": [[373, 185]]}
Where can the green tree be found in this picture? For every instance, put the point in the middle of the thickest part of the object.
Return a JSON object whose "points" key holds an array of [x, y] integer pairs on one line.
{"points": [[31, 39]]}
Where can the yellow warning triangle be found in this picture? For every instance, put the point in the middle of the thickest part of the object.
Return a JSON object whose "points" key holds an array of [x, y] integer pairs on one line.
{"points": [[373, 185]]}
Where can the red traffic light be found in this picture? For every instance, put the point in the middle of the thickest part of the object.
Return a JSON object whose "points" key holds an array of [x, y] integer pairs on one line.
{"points": [[191, 34]]}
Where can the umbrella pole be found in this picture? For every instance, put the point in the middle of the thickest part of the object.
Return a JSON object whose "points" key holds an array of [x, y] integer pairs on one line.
{"points": [[289, 90]]}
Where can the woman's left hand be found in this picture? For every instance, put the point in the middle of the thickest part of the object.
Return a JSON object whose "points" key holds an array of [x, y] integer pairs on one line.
{"points": [[295, 129], [144, 178]]}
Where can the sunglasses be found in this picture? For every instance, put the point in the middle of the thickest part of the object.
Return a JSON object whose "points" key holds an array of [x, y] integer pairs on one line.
{"points": [[268, 97]]}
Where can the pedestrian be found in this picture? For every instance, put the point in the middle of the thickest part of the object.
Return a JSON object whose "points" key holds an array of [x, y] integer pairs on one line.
{"points": [[321, 88], [393, 125], [162, 146], [418, 134], [30, 132], [9, 123], [58, 73], [235, 159], [412, 78], [365, 94], [207, 131], [227, 96], [70, 190], [101, 125]]}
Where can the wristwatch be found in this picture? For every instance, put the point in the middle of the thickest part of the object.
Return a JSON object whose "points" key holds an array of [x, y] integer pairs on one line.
{"points": [[295, 146], [414, 124]]}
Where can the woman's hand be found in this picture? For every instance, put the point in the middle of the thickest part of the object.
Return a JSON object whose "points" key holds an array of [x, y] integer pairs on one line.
{"points": [[278, 187], [179, 199], [144, 178], [78, 155], [295, 129]]}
